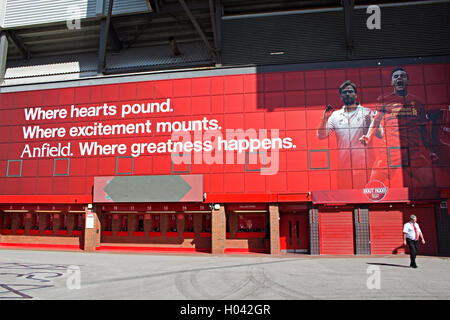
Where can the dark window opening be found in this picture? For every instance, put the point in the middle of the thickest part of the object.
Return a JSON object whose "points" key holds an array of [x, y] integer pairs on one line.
{"points": [[35, 221], [172, 223], [155, 223], [21, 225], [63, 221], [189, 223], [6, 221], [78, 222], [206, 223], [107, 222], [251, 222], [140, 223], [49, 221], [124, 222]]}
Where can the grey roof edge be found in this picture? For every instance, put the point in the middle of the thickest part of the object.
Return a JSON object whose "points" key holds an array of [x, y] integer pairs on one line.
{"points": [[217, 70]]}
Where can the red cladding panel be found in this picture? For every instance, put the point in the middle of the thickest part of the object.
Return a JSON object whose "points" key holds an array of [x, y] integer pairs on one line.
{"points": [[334, 79], [273, 82], [234, 84], [201, 86], [316, 99], [371, 78], [294, 99], [182, 87], [67, 96], [82, 95], [435, 73], [298, 181], [315, 80], [163, 89], [251, 83], [294, 80], [234, 103], [201, 105], [437, 94], [128, 91], [254, 182], [20, 99], [319, 180]]}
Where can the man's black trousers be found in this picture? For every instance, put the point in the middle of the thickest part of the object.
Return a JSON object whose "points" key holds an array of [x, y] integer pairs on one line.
{"points": [[413, 247]]}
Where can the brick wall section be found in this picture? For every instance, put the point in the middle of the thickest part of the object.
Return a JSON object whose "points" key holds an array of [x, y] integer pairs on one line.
{"points": [[218, 232], [362, 230], [443, 229], [314, 236], [196, 242], [51, 240], [92, 235], [274, 222]]}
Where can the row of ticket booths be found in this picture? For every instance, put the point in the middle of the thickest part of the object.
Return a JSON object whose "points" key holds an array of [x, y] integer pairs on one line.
{"points": [[156, 227], [244, 228]]}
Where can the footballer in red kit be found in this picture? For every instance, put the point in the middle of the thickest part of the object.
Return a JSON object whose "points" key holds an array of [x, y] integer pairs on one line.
{"points": [[408, 140]]}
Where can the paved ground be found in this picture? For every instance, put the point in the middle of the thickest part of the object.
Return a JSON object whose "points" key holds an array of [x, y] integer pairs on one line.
{"points": [[51, 275]]}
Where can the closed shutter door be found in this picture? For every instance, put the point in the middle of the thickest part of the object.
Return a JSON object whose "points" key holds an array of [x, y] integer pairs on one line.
{"points": [[426, 220], [336, 232], [386, 231]]}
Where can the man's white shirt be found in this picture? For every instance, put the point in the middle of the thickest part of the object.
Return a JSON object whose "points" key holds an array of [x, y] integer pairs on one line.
{"points": [[408, 228], [349, 127]]}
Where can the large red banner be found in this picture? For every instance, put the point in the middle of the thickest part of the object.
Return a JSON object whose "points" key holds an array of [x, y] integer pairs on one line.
{"points": [[277, 132]]}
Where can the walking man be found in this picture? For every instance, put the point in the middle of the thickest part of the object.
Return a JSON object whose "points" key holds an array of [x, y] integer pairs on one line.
{"points": [[411, 235]]}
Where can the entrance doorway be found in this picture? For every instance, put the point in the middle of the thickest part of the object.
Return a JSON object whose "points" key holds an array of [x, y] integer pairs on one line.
{"points": [[294, 232]]}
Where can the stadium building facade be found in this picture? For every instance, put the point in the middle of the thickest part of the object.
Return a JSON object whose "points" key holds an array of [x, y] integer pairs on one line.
{"points": [[201, 126]]}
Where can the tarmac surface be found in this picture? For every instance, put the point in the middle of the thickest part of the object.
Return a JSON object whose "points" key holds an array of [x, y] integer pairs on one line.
{"points": [[61, 275]]}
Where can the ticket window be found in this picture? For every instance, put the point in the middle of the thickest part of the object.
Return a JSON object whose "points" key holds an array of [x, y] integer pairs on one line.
{"points": [[124, 222], [189, 223], [206, 223], [21, 225], [78, 222], [63, 221], [107, 222], [172, 223], [155, 223], [251, 222], [34, 221], [6, 220], [140, 223], [49, 222]]}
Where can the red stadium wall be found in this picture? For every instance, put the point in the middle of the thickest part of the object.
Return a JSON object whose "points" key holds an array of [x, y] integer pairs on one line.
{"points": [[292, 103]]}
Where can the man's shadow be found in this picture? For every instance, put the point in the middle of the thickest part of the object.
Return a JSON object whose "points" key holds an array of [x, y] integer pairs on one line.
{"points": [[387, 264]]}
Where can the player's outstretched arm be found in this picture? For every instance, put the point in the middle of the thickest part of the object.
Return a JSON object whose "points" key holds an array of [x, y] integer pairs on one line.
{"points": [[322, 131]]}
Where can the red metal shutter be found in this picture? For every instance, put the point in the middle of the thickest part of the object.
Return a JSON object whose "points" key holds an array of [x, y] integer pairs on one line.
{"points": [[336, 232], [426, 220], [386, 231]]}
